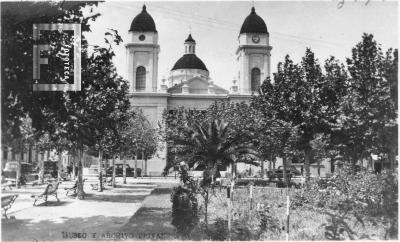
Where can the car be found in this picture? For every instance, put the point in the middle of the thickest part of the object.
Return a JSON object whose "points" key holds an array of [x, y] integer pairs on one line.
{"points": [[278, 173], [119, 170], [51, 170], [29, 172]]}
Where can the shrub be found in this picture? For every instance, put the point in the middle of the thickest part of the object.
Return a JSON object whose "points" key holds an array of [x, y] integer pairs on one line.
{"points": [[256, 182], [218, 230], [184, 210], [269, 228], [138, 172], [368, 195], [240, 230]]}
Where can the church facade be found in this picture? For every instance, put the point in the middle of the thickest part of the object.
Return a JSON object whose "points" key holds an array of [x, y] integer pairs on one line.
{"points": [[189, 84]]}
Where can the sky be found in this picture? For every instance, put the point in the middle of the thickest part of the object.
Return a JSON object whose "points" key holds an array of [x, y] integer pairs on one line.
{"points": [[215, 25]]}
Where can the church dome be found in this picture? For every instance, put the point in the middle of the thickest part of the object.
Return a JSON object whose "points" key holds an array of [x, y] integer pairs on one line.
{"points": [[189, 61], [254, 24], [143, 22]]}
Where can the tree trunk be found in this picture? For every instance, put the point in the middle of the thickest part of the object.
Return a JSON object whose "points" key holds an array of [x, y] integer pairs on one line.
{"points": [[145, 167], [30, 154], [80, 192], [74, 160], [135, 172], [124, 170], [353, 163], [270, 165], [105, 169], [273, 160], [392, 160], [18, 173], [332, 161], [319, 167], [100, 187], [232, 185], [307, 158], [59, 166], [36, 154], [41, 171], [262, 168], [206, 208], [141, 173], [285, 175], [113, 171]]}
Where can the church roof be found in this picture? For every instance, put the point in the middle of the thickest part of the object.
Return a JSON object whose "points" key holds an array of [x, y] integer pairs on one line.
{"points": [[197, 85], [189, 61], [254, 24], [143, 22], [190, 39]]}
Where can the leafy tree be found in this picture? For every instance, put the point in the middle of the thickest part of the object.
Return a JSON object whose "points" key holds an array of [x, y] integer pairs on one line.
{"points": [[18, 98], [47, 110], [368, 111], [175, 122], [150, 144], [275, 137], [297, 100]]}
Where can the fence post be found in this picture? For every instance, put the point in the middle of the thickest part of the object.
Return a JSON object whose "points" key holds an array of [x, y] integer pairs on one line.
{"points": [[251, 197], [287, 216]]}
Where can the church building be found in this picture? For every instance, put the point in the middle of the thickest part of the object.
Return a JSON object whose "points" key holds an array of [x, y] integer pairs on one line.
{"points": [[189, 84]]}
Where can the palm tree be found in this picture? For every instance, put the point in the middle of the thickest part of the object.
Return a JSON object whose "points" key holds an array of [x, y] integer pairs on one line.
{"points": [[213, 145]]}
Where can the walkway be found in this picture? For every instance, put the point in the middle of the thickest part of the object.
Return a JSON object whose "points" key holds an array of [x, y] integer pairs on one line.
{"points": [[101, 216]]}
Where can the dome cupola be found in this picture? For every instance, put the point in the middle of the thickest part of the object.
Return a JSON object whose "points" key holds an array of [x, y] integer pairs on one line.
{"points": [[190, 45], [254, 24], [189, 60], [143, 22]]}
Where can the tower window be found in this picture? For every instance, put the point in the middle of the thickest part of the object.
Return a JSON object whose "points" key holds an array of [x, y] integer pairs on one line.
{"points": [[140, 78], [142, 37], [255, 79]]}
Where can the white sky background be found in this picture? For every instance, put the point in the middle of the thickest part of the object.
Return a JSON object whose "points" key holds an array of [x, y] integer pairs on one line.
{"points": [[215, 26]]}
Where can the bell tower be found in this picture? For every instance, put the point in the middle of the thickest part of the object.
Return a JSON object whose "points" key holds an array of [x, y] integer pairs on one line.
{"points": [[142, 52], [253, 54]]}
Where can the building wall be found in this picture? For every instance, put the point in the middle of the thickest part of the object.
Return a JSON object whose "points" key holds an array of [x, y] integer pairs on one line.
{"points": [[154, 104], [30, 156]]}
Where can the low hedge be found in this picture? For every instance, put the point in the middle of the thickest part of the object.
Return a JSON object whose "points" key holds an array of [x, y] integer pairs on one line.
{"points": [[256, 182]]}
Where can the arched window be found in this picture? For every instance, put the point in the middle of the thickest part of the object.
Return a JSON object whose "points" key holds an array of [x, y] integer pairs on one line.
{"points": [[255, 79], [140, 78]]}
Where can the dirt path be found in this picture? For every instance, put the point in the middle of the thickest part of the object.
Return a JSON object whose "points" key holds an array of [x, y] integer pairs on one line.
{"points": [[153, 220]]}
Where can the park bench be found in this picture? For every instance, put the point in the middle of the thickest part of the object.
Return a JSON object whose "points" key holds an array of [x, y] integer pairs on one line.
{"points": [[7, 183], [7, 202], [74, 187], [51, 190]]}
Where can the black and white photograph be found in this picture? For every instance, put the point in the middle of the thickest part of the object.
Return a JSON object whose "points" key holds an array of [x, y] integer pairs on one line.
{"points": [[127, 120]]}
